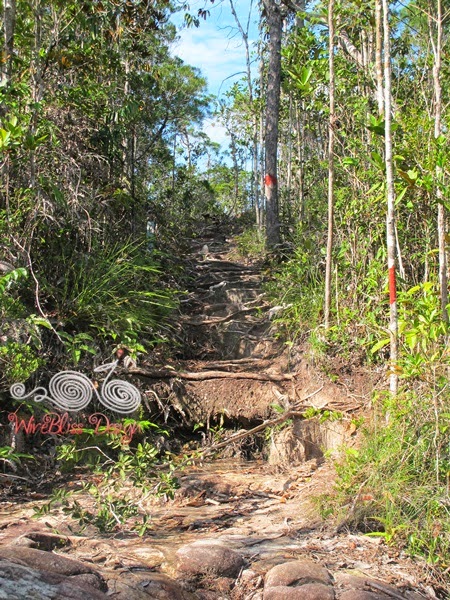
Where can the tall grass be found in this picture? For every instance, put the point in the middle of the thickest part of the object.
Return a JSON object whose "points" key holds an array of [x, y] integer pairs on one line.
{"points": [[397, 483], [114, 292]]}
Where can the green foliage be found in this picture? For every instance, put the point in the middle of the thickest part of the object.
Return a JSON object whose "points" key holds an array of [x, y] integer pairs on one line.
{"points": [[114, 295], [8, 280], [124, 476], [397, 482], [17, 362], [422, 333], [251, 244], [12, 458], [297, 285]]}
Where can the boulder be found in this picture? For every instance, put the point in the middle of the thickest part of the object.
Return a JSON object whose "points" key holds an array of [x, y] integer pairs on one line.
{"points": [[208, 558], [309, 591], [295, 573], [19, 582]]}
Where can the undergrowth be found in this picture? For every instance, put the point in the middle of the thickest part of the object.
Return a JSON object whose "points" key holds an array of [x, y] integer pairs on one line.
{"points": [[396, 485], [250, 244], [125, 477]]}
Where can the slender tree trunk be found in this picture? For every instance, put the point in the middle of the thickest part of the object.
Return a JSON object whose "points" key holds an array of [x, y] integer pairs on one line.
{"points": [[390, 221], [261, 160], [274, 20], [379, 56], [441, 217], [38, 84], [289, 154], [301, 160], [331, 123], [9, 24], [236, 170], [244, 36]]}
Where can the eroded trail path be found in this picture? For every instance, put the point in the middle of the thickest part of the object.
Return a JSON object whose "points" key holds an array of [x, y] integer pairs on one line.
{"points": [[241, 526]]}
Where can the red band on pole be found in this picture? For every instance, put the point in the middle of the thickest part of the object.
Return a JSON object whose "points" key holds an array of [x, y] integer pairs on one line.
{"points": [[392, 285], [270, 180]]}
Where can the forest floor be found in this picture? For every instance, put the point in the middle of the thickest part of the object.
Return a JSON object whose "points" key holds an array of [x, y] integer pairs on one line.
{"points": [[245, 522]]}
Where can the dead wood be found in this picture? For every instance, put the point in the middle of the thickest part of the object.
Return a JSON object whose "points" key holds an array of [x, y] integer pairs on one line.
{"points": [[293, 412], [235, 364], [380, 587], [226, 265], [227, 305], [192, 376], [229, 317]]}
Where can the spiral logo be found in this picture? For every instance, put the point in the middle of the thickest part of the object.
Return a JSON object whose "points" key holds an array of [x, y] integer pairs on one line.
{"points": [[120, 396], [18, 391], [70, 390]]}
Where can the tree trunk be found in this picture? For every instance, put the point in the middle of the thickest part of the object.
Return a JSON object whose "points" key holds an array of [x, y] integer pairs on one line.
{"points": [[262, 208], [390, 221], [379, 56], [441, 216], [9, 23], [331, 123], [244, 36], [274, 20]]}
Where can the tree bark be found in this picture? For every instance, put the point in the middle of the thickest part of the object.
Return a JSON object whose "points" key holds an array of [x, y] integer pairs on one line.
{"points": [[390, 221], [331, 123], [9, 24], [379, 56], [192, 376], [441, 216], [274, 19]]}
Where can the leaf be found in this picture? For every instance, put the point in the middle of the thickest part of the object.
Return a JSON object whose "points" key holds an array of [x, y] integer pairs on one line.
{"points": [[409, 176], [40, 321], [377, 130], [381, 344], [4, 137], [400, 196], [377, 160]]}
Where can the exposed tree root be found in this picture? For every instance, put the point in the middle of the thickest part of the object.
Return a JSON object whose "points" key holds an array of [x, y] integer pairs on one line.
{"points": [[229, 317], [169, 374]]}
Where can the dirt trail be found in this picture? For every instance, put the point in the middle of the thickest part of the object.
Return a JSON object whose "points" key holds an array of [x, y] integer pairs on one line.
{"points": [[237, 528]]}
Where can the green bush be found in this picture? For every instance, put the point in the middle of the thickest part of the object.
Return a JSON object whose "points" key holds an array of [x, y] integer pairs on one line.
{"points": [[114, 294], [17, 362], [397, 483]]}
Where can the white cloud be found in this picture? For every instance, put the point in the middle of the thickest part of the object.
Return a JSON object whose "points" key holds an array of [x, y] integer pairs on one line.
{"points": [[221, 61], [216, 48], [216, 132]]}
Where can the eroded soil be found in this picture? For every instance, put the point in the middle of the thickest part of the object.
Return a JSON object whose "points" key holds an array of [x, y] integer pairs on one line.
{"points": [[230, 371]]}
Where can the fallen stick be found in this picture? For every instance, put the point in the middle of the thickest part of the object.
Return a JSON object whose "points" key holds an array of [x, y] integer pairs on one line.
{"points": [[234, 365], [225, 319], [192, 376], [270, 423], [380, 587]]}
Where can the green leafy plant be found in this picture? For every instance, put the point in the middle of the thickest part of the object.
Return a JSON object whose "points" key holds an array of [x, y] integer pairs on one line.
{"points": [[397, 483], [123, 474], [17, 361], [114, 294], [9, 456], [250, 243]]}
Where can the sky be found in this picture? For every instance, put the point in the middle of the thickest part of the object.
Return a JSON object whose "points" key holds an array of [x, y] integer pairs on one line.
{"points": [[216, 48]]}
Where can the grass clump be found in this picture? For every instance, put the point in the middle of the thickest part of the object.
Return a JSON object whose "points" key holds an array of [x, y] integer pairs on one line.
{"points": [[396, 486], [251, 244]]}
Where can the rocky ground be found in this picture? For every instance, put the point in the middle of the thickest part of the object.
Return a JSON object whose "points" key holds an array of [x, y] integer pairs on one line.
{"points": [[242, 527]]}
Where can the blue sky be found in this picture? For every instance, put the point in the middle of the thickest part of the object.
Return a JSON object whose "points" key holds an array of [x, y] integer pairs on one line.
{"points": [[216, 48]]}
